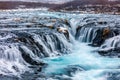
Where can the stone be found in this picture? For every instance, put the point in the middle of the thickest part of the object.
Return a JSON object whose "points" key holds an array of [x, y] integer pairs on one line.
{"points": [[102, 35], [64, 31], [72, 69]]}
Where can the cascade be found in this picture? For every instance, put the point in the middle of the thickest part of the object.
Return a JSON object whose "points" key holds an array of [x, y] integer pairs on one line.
{"points": [[111, 47], [112, 42], [74, 24], [24, 48], [86, 34], [11, 60]]}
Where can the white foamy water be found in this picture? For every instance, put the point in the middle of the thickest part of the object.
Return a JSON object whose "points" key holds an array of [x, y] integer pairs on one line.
{"points": [[94, 65], [94, 74], [85, 56]]}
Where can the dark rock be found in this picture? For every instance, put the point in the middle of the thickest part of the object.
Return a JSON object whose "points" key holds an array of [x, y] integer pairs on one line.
{"points": [[29, 59], [78, 32], [111, 47], [5, 77], [72, 69], [94, 35], [15, 67], [111, 52], [102, 22], [102, 35], [114, 76]]}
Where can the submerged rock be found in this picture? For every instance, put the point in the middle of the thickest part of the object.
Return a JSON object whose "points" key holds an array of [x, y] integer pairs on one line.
{"points": [[62, 77], [9, 77], [113, 76], [72, 69]]}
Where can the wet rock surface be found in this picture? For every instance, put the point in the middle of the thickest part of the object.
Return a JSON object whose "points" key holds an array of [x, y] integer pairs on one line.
{"points": [[72, 69], [96, 30], [114, 76], [28, 37], [111, 47]]}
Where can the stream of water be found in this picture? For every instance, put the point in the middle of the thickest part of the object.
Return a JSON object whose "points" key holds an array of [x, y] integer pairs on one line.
{"points": [[31, 39], [93, 65]]}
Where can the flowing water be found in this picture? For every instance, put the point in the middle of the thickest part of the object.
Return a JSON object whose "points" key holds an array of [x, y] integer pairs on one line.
{"points": [[29, 41], [94, 66]]}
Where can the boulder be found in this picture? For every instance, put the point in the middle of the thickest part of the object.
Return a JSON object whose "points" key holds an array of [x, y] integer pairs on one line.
{"points": [[64, 31], [111, 47], [72, 69], [101, 35]]}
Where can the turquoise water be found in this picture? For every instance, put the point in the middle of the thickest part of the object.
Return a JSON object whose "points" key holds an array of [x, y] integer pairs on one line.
{"points": [[86, 57]]}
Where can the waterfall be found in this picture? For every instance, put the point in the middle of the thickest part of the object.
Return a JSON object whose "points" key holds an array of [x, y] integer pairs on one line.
{"points": [[86, 34], [74, 24], [31, 39], [111, 43], [11, 61], [23, 48], [94, 35], [50, 44]]}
